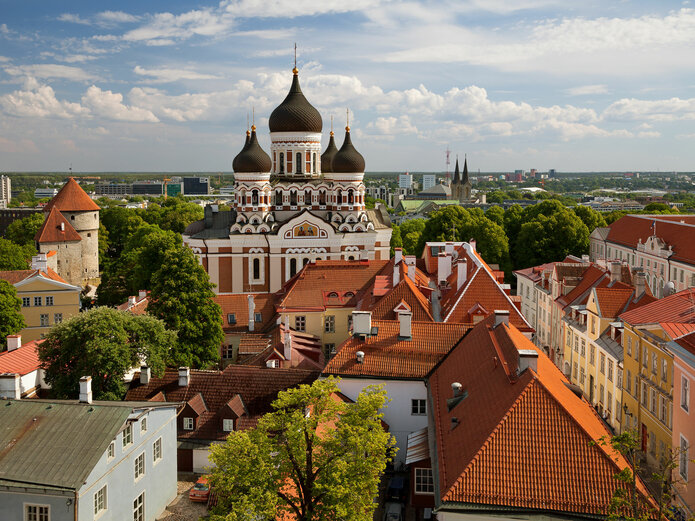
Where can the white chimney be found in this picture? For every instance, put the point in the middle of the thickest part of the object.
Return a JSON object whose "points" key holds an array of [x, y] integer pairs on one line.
{"points": [[359, 356], [14, 342], [142, 293], [287, 344], [456, 388], [411, 272], [132, 301], [501, 317], [473, 244], [361, 322], [145, 374], [396, 274], [86, 389], [461, 273], [528, 358], [252, 312], [9, 386], [449, 248], [443, 266], [405, 319], [616, 269], [184, 376], [397, 255], [39, 262], [62, 227]]}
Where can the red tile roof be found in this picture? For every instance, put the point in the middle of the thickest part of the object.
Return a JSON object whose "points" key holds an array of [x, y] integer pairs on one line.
{"points": [[677, 308], [612, 301], [13, 277], [386, 355], [22, 360], [522, 441], [137, 308], [687, 342], [51, 231], [591, 277], [71, 198], [405, 291], [257, 387], [312, 288], [676, 330], [239, 306]]}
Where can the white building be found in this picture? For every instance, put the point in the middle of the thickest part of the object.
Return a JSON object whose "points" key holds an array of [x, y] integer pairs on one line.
{"points": [[428, 181], [5, 191], [405, 181]]}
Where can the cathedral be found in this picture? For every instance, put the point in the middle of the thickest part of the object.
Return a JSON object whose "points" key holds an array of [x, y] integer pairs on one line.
{"points": [[291, 206], [461, 185]]}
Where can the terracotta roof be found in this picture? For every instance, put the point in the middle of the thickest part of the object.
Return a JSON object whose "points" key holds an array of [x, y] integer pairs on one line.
{"points": [[51, 231], [72, 198], [612, 301], [22, 360], [629, 229], [677, 308], [314, 286], [13, 277], [253, 343], [386, 355], [591, 277], [687, 342], [137, 308], [676, 330], [405, 291], [522, 440], [257, 387], [239, 306]]}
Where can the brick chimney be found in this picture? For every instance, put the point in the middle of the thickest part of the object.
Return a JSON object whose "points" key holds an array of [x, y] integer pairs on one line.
{"points": [[39, 262], [184, 376], [14, 342], [9, 386], [131, 301], [405, 320], [145, 375], [640, 283], [616, 269], [252, 312], [86, 389]]}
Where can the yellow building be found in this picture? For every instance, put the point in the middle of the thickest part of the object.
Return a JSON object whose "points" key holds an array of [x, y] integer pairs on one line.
{"points": [[46, 299]]}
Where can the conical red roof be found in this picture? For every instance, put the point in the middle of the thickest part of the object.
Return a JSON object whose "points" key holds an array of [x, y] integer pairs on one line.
{"points": [[51, 230], [72, 198]]}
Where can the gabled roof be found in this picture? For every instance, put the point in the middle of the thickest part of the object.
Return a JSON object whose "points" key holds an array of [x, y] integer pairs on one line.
{"points": [[23, 360], [677, 308], [386, 355], [51, 231], [264, 303], [139, 307], [71, 198], [405, 291], [257, 386], [590, 278], [520, 440], [17, 276]]}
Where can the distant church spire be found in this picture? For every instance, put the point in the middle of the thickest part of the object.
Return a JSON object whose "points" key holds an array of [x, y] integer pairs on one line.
{"points": [[457, 176], [464, 177]]}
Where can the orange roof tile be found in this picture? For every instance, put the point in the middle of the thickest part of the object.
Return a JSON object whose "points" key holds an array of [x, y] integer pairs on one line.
{"points": [[591, 277], [676, 330], [612, 301], [56, 228], [677, 308], [239, 306], [15, 276], [405, 291], [72, 198], [687, 342], [139, 307], [22, 360], [386, 355]]}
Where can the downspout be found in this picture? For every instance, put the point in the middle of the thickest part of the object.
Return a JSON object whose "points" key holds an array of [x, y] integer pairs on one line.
{"points": [[75, 504]]}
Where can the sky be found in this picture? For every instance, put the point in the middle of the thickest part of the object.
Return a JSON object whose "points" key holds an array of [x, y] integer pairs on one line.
{"points": [[168, 85]]}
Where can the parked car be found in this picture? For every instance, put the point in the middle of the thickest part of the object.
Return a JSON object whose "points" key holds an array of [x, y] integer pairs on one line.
{"points": [[200, 491]]}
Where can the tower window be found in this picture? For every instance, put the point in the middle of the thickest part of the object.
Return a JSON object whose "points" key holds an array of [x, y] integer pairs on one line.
{"points": [[254, 198], [307, 197], [282, 163], [72, 217], [293, 267], [315, 163], [278, 198], [299, 163], [293, 198], [256, 269]]}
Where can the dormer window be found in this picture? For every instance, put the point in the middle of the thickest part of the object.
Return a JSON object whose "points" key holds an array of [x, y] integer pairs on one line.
{"points": [[231, 319], [188, 424], [227, 425], [258, 317]]}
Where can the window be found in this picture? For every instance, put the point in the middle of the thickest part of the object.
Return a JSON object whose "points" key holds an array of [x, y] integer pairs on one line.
{"points": [[645, 359], [654, 363], [418, 407], [574, 370], [100, 500], [330, 324], [329, 349], [44, 319], [619, 382], [57, 318], [37, 301], [143, 425], [188, 424], [610, 371], [256, 269], [583, 352], [111, 451], [127, 435], [37, 513], [273, 364], [140, 466], [582, 375], [662, 409], [601, 392], [228, 351], [49, 301], [139, 508], [227, 425], [258, 317], [664, 370], [282, 163], [424, 482], [300, 323], [231, 319], [26, 302], [629, 346], [644, 392], [298, 162], [593, 324], [569, 338], [653, 400], [157, 450], [683, 459], [628, 382], [609, 401], [685, 393], [592, 355], [602, 363], [293, 267]]}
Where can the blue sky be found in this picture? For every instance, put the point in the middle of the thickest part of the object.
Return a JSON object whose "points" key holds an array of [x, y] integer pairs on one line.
{"points": [[166, 86]]}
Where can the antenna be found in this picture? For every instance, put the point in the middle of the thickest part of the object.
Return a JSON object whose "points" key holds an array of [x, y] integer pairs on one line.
{"points": [[295, 55], [347, 119], [448, 162], [331, 122], [247, 120]]}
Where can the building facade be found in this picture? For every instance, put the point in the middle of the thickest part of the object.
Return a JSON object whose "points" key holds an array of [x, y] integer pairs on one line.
{"points": [[5, 191]]}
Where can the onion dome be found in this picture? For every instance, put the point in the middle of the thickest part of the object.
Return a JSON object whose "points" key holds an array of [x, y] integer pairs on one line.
{"points": [[295, 113], [327, 156], [252, 157], [347, 160]]}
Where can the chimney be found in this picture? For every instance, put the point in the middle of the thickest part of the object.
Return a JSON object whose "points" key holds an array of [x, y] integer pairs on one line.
{"points": [[184, 376], [528, 358], [86, 389], [443, 266], [456, 388], [411, 272], [287, 344], [132, 301], [585, 258], [615, 268], [9, 386], [461, 273], [361, 322], [396, 274], [39, 262], [252, 312], [144, 375], [473, 244], [397, 255], [507, 288], [449, 248], [14, 342], [142, 293], [359, 356], [62, 227], [405, 320], [638, 279], [270, 364], [501, 317]]}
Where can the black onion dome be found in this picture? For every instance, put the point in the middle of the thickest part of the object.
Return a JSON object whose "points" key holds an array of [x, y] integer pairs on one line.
{"points": [[347, 160], [295, 113], [327, 156], [252, 157]]}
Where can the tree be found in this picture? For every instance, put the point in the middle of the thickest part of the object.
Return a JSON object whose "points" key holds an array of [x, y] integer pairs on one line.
{"points": [[105, 344], [181, 295], [23, 231], [496, 215], [174, 214], [590, 217], [396, 241], [15, 257], [411, 230], [120, 224], [314, 457], [658, 208], [11, 318]]}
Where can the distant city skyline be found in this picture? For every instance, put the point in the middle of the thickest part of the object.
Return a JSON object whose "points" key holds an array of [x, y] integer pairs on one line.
{"points": [[167, 86]]}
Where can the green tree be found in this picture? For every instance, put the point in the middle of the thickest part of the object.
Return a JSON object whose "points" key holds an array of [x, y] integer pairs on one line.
{"points": [[23, 231], [15, 257], [120, 223], [314, 457], [174, 214], [411, 230], [496, 215], [658, 208], [396, 240], [512, 221], [590, 217], [11, 318], [181, 295], [105, 344]]}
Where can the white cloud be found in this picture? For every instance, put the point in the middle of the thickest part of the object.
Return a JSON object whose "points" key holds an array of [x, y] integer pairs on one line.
{"points": [[293, 8], [50, 71], [393, 125], [171, 75], [110, 105], [38, 101], [587, 90], [167, 27], [116, 17], [73, 18], [631, 109], [4, 59]]}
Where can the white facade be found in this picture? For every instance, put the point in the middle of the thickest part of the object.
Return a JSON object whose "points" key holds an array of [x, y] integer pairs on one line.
{"points": [[428, 181], [405, 181], [5, 191]]}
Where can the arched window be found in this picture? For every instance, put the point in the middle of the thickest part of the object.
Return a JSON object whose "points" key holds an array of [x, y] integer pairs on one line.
{"points": [[256, 269], [315, 163], [254, 197], [298, 167], [293, 267], [242, 198], [293, 198], [278, 198], [307, 197], [281, 170], [351, 257], [340, 197], [351, 197]]}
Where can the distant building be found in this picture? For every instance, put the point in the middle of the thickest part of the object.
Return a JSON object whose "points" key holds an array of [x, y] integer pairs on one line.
{"points": [[428, 181], [43, 193], [105, 189], [10, 215], [437, 191], [461, 185], [5, 191], [405, 181], [147, 188], [196, 185], [516, 177], [552, 173]]}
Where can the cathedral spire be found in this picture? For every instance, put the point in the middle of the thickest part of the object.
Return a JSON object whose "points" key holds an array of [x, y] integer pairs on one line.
{"points": [[464, 177], [457, 175]]}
